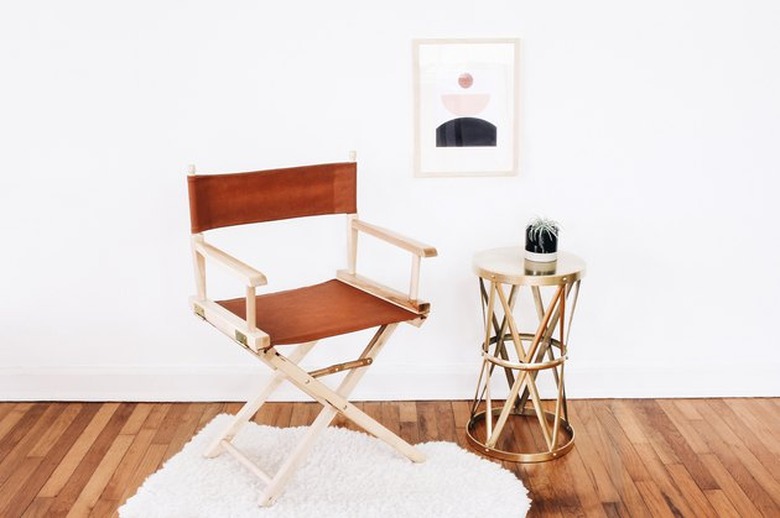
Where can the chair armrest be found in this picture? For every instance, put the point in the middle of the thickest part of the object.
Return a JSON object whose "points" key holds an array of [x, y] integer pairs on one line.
{"points": [[417, 248], [384, 292], [234, 327], [251, 276]]}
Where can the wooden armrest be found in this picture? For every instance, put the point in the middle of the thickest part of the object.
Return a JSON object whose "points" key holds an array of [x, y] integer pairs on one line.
{"points": [[383, 292], [417, 248], [253, 338], [250, 275]]}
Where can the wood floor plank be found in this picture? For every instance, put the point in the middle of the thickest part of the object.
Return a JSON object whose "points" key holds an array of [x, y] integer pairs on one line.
{"points": [[121, 476], [157, 416], [535, 478], [750, 411], [390, 417], [300, 415], [687, 407], [654, 499], [710, 457], [584, 485], [169, 426], [691, 495], [94, 487], [738, 458], [148, 465], [410, 432], [772, 408], [732, 476], [445, 421], [103, 508], [755, 444], [729, 483], [78, 451], [48, 439], [53, 458], [15, 485], [373, 409], [282, 419], [678, 500], [212, 410], [15, 413], [187, 426], [625, 416], [561, 477], [587, 445], [461, 412], [102, 445], [630, 501], [680, 417], [5, 409], [407, 411], [655, 453], [722, 505], [656, 419], [426, 418], [39, 508], [25, 434], [266, 413], [137, 419], [630, 460], [233, 407]]}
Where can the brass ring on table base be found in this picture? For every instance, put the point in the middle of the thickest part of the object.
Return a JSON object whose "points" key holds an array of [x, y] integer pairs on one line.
{"points": [[517, 456]]}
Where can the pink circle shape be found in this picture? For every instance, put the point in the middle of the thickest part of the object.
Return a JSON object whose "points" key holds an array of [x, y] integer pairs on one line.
{"points": [[465, 80]]}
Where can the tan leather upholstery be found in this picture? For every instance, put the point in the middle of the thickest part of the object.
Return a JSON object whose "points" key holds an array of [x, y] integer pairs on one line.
{"points": [[237, 198], [314, 312]]}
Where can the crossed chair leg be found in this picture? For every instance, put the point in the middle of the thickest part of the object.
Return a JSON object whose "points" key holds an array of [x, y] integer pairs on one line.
{"points": [[333, 401]]}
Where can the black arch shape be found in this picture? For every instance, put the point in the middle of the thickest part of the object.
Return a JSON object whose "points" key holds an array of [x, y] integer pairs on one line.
{"points": [[466, 132]]}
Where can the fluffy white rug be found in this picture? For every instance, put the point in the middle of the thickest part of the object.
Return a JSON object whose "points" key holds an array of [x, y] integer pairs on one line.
{"points": [[348, 474]]}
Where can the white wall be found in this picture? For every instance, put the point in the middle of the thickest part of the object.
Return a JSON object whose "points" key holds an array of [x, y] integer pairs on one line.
{"points": [[649, 129]]}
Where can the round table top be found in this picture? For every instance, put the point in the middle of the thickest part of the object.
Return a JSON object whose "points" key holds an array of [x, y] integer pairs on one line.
{"points": [[508, 265]]}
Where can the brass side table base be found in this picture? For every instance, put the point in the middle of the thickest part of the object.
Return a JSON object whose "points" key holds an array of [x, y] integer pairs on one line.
{"points": [[524, 356], [511, 456]]}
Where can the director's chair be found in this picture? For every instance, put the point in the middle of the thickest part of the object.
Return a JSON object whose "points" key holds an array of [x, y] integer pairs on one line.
{"points": [[295, 320]]}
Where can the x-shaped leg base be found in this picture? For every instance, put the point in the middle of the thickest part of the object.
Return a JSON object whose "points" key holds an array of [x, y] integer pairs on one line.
{"points": [[333, 401], [532, 354]]}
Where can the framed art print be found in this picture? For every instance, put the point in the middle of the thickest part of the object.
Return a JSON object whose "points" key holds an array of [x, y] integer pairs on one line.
{"points": [[466, 107]]}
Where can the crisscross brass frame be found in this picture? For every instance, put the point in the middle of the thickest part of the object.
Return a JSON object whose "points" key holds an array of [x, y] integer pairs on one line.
{"points": [[536, 352]]}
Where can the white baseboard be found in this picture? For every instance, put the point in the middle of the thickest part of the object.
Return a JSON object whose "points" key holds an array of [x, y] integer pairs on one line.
{"points": [[394, 382], [212, 383], [679, 381]]}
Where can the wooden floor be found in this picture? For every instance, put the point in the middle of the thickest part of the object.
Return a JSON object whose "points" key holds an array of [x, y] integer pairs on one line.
{"points": [[704, 457]]}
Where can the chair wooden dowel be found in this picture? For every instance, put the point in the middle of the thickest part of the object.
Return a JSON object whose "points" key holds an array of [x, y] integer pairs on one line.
{"points": [[339, 367], [251, 466], [251, 301], [414, 285], [352, 242]]}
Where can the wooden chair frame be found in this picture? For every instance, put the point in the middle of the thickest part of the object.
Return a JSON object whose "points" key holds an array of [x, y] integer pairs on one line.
{"points": [[258, 343]]}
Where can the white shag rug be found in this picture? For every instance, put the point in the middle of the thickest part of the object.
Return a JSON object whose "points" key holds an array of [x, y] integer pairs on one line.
{"points": [[347, 474]]}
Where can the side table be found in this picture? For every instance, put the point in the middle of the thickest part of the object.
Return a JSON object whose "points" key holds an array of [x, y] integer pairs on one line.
{"points": [[521, 429]]}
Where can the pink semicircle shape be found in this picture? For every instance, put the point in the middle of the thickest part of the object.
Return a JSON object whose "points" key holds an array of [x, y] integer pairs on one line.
{"points": [[465, 105]]}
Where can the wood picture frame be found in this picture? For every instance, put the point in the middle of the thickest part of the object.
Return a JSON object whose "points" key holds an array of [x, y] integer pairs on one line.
{"points": [[466, 107]]}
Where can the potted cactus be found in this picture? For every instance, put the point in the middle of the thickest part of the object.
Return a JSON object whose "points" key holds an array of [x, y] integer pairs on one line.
{"points": [[541, 240]]}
